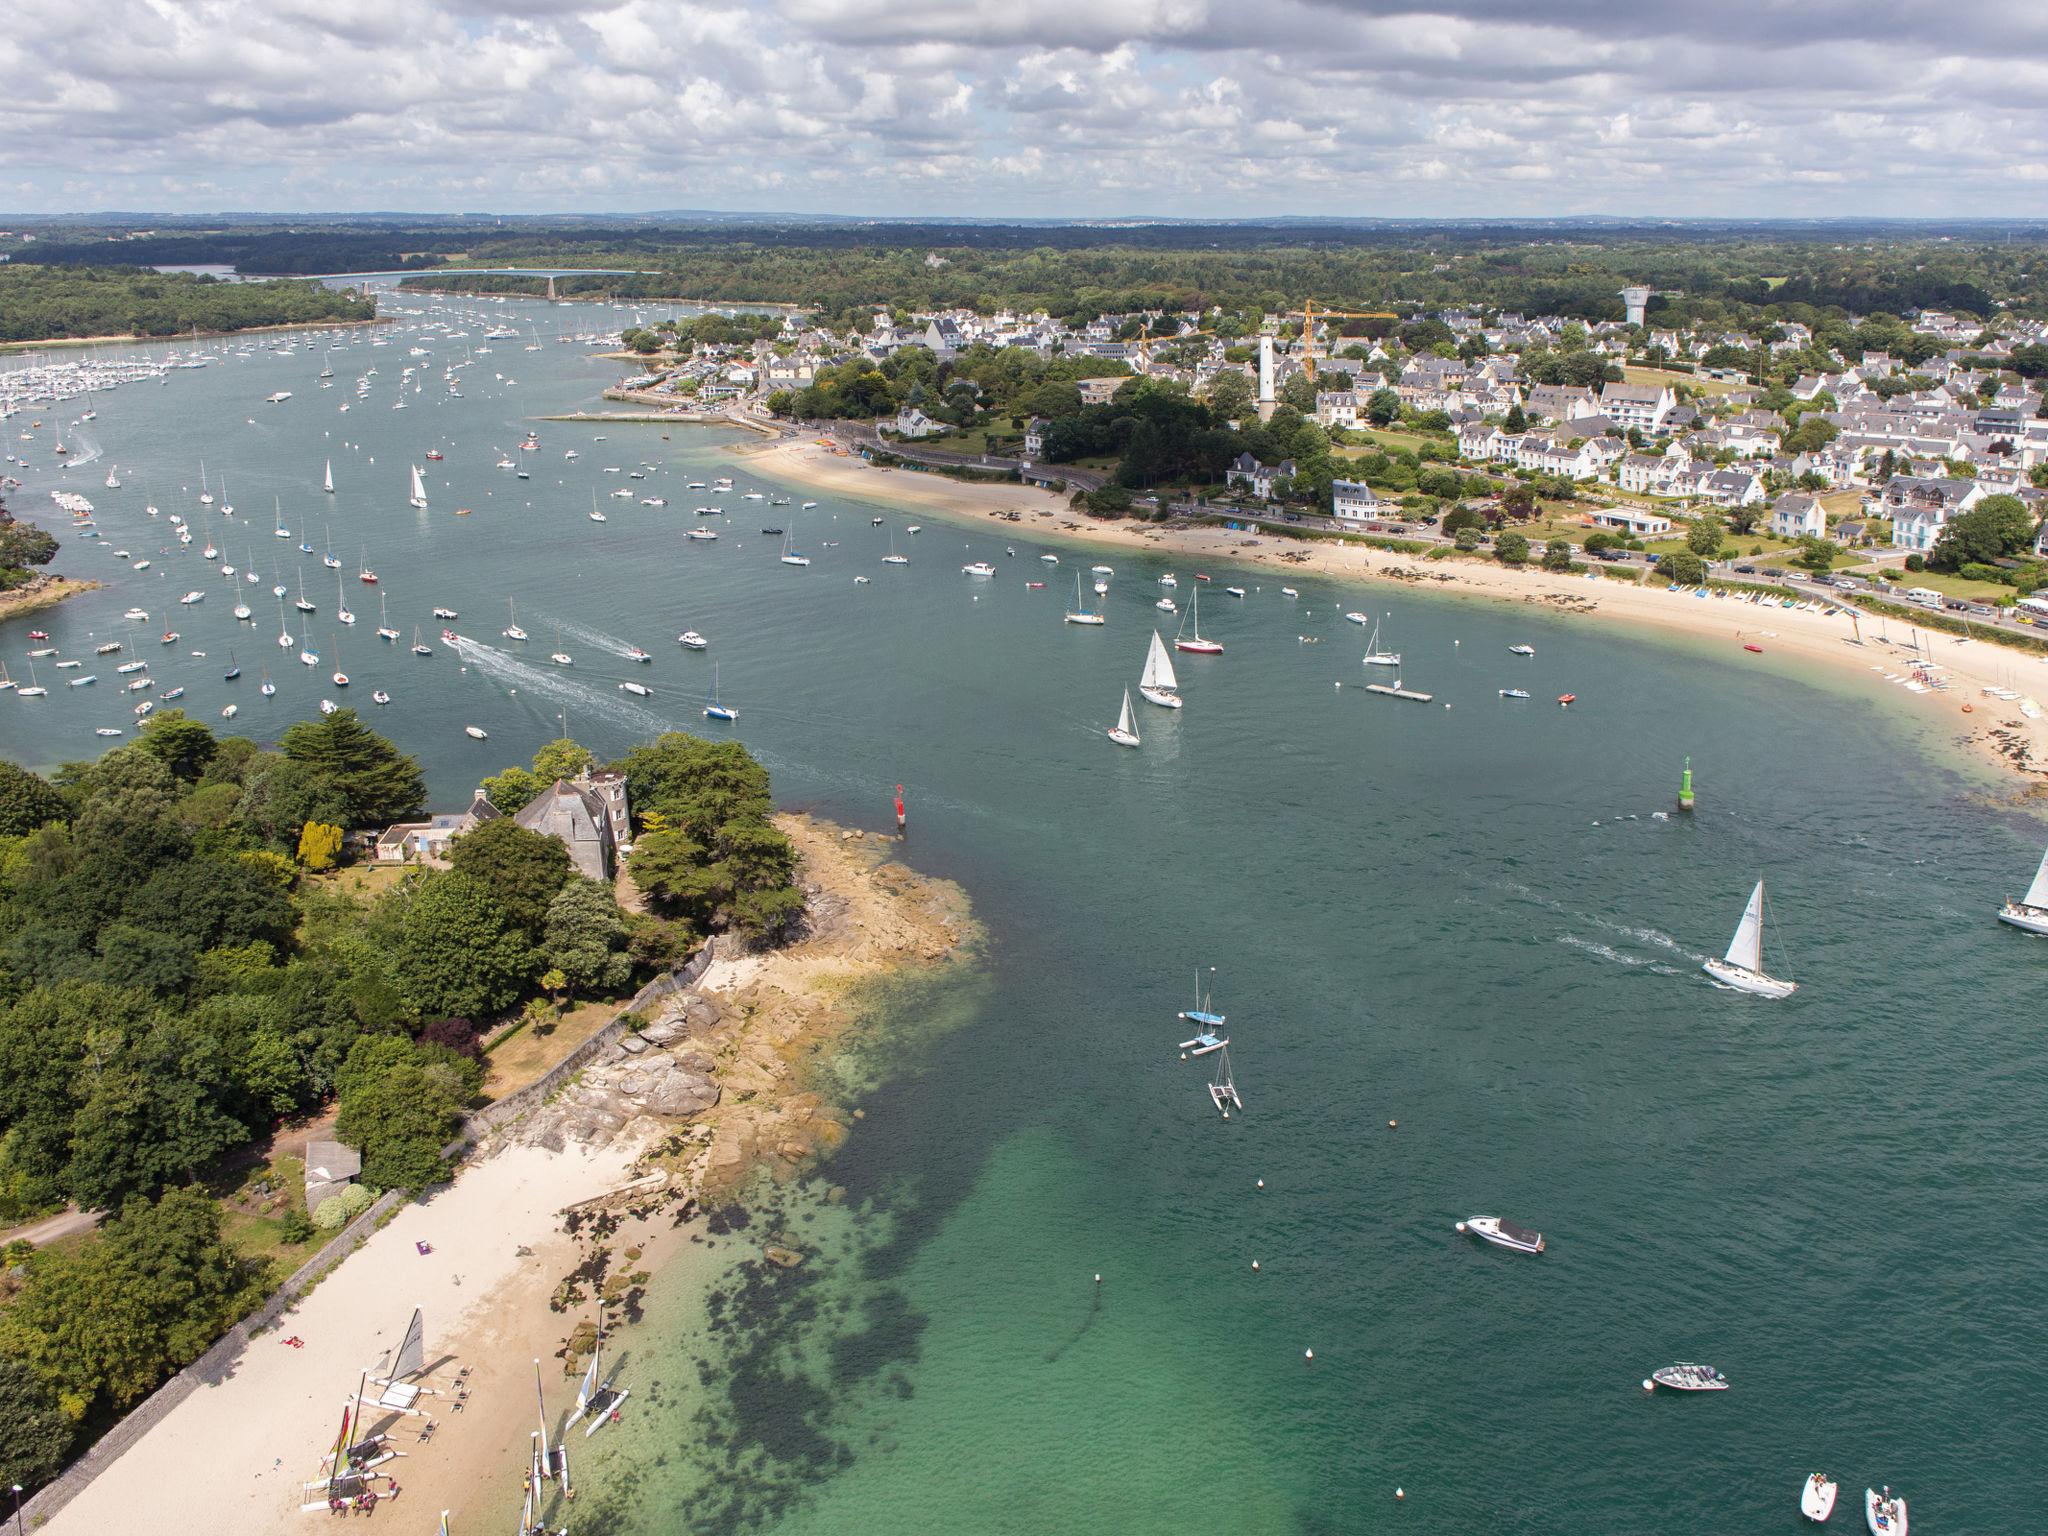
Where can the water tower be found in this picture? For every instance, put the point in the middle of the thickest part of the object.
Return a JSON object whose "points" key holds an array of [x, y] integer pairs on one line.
{"points": [[1636, 299], [1266, 370]]}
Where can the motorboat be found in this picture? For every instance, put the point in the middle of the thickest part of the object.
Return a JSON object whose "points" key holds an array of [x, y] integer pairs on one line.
{"points": [[1502, 1233], [634, 653], [1817, 1498], [476, 732], [379, 696], [1235, 591], [978, 568], [1514, 693], [1687, 1377], [1742, 967], [1884, 1513], [1521, 650], [702, 533], [638, 690], [690, 640]]}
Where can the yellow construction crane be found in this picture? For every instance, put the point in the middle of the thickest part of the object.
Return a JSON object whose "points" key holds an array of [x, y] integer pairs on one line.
{"points": [[1310, 309]]}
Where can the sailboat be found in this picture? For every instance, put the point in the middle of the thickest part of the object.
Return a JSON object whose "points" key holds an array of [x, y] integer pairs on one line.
{"points": [[268, 687], [713, 710], [549, 1461], [284, 636], [384, 629], [301, 604], [340, 677], [891, 558], [596, 1398], [1209, 1034], [327, 484], [419, 491], [1223, 1086], [419, 648], [1190, 636], [2030, 912], [34, 690], [1743, 966], [1374, 656], [1125, 732], [341, 608], [789, 554], [205, 495], [278, 529], [1158, 683], [561, 658], [512, 631], [1080, 613], [327, 559], [234, 668]]}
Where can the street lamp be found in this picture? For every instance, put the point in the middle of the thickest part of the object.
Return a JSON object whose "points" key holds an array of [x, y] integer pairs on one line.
{"points": [[17, 1509]]}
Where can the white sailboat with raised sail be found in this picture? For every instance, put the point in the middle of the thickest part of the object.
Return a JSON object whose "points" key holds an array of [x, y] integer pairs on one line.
{"points": [[419, 491], [1743, 966], [597, 1398], [327, 481], [2030, 912], [1125, 732], [1158, 683], [1374, 656]]}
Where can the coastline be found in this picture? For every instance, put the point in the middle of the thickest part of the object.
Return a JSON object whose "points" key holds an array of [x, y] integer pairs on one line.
{"points": [[43, 592], [176, 336], [542, 1221], [1984, 730]]}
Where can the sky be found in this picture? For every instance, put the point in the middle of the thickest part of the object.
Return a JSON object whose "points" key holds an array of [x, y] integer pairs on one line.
{"points": [[1038, 108]]}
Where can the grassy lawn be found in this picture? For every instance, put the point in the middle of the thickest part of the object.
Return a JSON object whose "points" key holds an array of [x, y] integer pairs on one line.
{"points": [[365, 882], [1636, 374], [1951, 586], [1000, 440], [521, 1057], [1390, 438]]}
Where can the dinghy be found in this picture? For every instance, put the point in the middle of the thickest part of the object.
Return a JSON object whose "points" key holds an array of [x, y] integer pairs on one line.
{"points": [[1884, 1513], [1817, 1498]]}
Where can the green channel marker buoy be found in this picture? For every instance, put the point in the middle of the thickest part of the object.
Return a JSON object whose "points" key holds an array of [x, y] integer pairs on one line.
{"points": [[1685, 788]]}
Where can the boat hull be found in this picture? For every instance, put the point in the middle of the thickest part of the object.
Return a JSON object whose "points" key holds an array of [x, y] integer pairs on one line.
{"points": [[1164, 698], [2026, 919], [1199, 647], [1752, 982], [1123, 738], [1817, 1499], [1885, 1517]]}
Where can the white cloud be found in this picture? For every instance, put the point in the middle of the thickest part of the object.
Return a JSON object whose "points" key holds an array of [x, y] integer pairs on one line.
{"points": [[1192, 107]]}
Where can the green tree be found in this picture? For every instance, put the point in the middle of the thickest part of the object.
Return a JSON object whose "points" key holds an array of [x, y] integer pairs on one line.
{"points": [[182, 745], [521, 869], [280, 796], [1703, 538], [672, 870], [513, 790], [27, 800], [399, 1117], [1229, 396], [560, 759], [35, 1434], [103, 1323], [1557, 556], [1683, 567], [1816, 554], [456, 951], [585, 939], [379, 783], [1511, 549], [1382, 406], [1996, 527], [1467, 538], [1300, 392], [1460, 518], [1516, 420], [1744, 519]]}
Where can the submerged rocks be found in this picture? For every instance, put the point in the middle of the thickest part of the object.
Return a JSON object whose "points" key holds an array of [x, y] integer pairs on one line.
{"points": [[783, 1258]]}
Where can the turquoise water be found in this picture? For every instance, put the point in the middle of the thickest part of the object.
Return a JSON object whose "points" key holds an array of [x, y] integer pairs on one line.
{"points": [[1462, 919]]}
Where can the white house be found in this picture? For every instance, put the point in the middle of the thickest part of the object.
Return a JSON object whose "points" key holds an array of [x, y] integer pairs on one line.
{"points": [[1637, 405], [1653, 474], [1628, 520], [1798, 516], [1337, 408], [911, 422], [1353, 502], [1258, 478], [1920, 507]]}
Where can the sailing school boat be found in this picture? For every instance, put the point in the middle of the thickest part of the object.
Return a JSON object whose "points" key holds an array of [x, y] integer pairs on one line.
{"points": [[419, 491], [1158, 683], [1743, 966], [1125, 732]]}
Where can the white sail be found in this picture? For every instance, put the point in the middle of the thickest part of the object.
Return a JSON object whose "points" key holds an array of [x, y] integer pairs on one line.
{"points": [[1158, 667], [419, 488], [2037, 893], [411, 1353], [328, 484], [1123, 721], [1746, 949]]}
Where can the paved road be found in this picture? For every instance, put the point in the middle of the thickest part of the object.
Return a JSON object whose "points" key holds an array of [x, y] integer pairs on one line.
{"points": [[50, 1229]]}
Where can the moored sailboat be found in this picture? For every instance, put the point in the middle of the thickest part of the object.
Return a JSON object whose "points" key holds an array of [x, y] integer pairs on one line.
{"points": [[1081, 613], [1190, 636]]}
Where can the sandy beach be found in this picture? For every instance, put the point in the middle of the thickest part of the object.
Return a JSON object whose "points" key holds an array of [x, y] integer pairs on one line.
{"points": [[1865, 652]]}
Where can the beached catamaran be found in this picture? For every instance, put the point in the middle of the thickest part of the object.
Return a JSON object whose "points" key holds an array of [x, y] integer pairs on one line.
{"points": [[597, 1399]]}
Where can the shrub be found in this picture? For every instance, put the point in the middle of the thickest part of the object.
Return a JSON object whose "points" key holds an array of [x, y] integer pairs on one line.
{"points": [[1511, 549], [295, 1226], [330, 1215], [1916, 562], [355, 1199]]}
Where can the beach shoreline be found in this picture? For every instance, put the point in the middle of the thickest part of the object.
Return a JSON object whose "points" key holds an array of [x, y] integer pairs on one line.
{"points": [[1984, 730], [507, 1262], [43, 592], [178, 336]]}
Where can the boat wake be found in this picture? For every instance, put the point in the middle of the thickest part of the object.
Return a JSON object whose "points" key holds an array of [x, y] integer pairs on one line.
{"points": [[591, 700], [84, 451], [1608, 952], [611, 644]]}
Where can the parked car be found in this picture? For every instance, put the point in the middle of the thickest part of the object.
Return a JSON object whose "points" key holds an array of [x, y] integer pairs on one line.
{"points": [[1745, 570]]}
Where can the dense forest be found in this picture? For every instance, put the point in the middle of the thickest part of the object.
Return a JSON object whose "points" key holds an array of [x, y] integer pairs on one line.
{"points": [[47, 303], [180, 973]]}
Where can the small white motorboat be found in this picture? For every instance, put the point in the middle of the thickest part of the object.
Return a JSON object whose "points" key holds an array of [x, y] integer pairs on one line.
{"points": [[978, 568], [690, 640], [379, 696], [1687, 1377], [1502, 1233], [1521, 650], [1817, 1498], [328, 706], [1884, 1513], [230, 711], [638, 690], [476, 732], [1289, 592], [1235, 591], [1514, 693]]}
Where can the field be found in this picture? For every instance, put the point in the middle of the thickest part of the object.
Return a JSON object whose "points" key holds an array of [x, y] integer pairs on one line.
{"points": [[1390, 438], [1951, 586], [1636, 374]]}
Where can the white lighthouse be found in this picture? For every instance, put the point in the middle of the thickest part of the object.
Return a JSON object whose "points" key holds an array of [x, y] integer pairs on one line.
{"points": [[1637, 299], [1266, 396]]}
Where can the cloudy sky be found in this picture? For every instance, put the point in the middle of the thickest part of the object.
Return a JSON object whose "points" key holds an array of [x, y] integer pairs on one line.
{"points": [[1027, 107]]}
